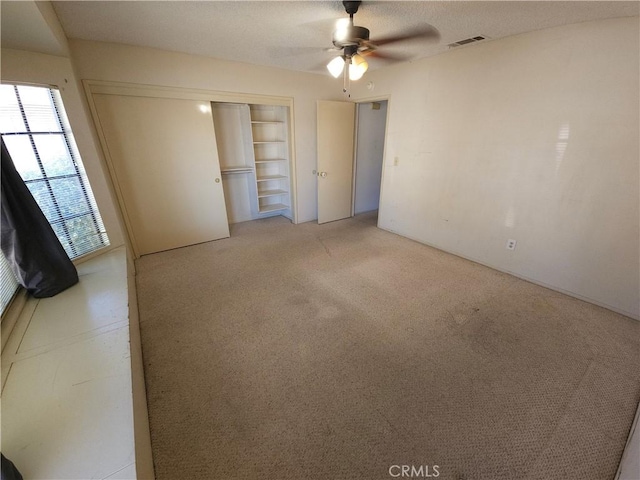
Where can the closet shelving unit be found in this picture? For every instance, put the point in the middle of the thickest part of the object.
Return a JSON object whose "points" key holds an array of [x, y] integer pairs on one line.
{"points": [[253, 149], [269, 132]]}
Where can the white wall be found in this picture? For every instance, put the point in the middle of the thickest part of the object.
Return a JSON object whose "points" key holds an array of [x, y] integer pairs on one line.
{"points": [[33, 27], [534, 138], [37, 68], [369, 156], [122, 63]]}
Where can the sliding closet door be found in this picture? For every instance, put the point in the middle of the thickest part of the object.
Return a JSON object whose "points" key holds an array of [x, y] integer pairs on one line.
{"points": [[164, 158]]}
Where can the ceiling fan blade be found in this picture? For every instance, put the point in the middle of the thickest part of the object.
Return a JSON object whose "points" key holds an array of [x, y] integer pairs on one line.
{"points": [[280, 52], [424, 33], [386, 56], [320, 67]]}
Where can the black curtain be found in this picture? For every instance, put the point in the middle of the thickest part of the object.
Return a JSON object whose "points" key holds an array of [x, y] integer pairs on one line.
{"points": [[28, 242], [9, 470]]}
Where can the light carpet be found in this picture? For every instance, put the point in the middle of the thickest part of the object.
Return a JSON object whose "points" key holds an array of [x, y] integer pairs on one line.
{"points": [[341, 351]]}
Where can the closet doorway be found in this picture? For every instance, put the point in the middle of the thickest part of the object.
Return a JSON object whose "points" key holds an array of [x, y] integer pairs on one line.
{"points": [[186, 163], [371, 119], [253, 148]]}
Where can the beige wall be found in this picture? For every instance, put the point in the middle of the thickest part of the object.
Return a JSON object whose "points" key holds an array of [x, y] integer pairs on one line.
{"points": [[37, 68], [121, 63], [533, 138]]}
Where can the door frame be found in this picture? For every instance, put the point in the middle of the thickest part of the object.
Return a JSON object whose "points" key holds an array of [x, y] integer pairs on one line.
{"points": [[104, 87], [379, 98]]}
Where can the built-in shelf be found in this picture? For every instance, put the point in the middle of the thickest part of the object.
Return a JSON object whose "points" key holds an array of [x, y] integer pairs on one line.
{"points": [[270, 154], [273, 207], [266, 178], [228, 171], [271, 193], [270, 160]]}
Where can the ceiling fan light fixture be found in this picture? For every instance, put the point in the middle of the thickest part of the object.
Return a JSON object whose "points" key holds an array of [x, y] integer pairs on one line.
{"points": [[341, 34], [342, 24], [358, 67], [335, 66]]}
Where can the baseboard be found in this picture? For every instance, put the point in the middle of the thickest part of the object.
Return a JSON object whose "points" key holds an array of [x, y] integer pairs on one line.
{"points": [[141, 432]]}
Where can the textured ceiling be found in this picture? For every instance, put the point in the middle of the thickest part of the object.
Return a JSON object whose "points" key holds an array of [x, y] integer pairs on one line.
{"points": [[296, 34]]}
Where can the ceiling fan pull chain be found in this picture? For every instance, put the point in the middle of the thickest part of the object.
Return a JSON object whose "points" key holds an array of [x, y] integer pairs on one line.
{"points": [[346, 85], [345, 76]]}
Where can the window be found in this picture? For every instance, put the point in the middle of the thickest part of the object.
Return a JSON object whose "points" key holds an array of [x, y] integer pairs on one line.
{"points": [[8, 284], [36, 131]]}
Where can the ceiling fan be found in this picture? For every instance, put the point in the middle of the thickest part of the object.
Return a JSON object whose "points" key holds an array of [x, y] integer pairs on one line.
{"points": [[355, 44]]}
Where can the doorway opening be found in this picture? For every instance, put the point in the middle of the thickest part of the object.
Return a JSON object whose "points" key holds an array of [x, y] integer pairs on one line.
{"points": [[371, 128]]}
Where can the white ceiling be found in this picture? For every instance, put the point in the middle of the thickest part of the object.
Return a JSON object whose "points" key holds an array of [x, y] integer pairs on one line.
{"points": [[296, 34]]}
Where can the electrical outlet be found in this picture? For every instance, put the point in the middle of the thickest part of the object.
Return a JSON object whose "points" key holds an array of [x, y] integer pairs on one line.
{"points": [[511, 244]]}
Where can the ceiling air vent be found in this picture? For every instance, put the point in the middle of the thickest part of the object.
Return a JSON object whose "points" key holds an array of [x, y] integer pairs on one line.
{"points": [[467, 41]]}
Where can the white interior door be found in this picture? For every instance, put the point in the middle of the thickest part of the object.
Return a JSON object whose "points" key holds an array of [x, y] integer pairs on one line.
{"points": [[336, 123], [165, 159]]}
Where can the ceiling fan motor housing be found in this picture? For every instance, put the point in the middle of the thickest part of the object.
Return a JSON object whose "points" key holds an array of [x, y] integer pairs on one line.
{"points": [[351, 35]]}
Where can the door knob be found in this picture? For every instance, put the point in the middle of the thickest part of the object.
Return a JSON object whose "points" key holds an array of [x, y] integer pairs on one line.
{"points": [[217, 180], [322, 174]]}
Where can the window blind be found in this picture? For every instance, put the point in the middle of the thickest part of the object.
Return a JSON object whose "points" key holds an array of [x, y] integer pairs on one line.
{"points": [[36, 131], [8, 284]]}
